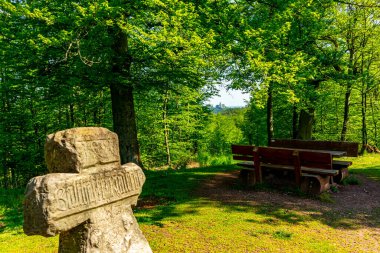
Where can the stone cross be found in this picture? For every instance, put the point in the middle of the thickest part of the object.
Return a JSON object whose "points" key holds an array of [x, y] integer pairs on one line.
{"points": [[87, 196]]}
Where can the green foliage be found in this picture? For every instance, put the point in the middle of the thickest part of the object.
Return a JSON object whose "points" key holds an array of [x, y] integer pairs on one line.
{"points": [[206, 159], [282, 235], [351, 180], [222, 131], [169, 125], [326, 197], [334, 189]]}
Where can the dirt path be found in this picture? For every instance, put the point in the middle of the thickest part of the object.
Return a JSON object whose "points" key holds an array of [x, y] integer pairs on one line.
{"points": [[360, 202]]}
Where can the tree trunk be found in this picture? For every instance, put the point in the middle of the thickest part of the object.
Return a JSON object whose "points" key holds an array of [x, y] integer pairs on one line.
{"points": [[72, 117], [5, 171], [352, 71], [306, 120], [68, 125], [250, 138], [364, 121], [346, 113], [123, 110], [294, 126], [4, 151], [124, 123], [306, 117], [13, 178], [270, 114], [373, 109], [166, 128]]}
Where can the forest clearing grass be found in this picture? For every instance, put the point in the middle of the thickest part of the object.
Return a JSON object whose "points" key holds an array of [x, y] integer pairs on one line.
{"points": [[175, 219]]}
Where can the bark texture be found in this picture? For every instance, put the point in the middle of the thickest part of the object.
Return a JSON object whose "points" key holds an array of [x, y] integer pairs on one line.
{"points": [[124, 123]]}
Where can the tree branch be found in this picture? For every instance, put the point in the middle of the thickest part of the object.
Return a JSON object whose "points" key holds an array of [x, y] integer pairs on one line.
{"points": [[358, 4]]}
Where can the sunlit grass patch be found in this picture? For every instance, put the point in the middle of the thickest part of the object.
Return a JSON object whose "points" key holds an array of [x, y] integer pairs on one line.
{"points": [[16, 242], [12, 237], [368, 165], [214, 227]]}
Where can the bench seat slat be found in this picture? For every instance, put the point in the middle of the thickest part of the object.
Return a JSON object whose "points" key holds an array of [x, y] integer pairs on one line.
{"points": [[277, 166], [242, 157], [317, 171], [246, 164], [342, 163]]}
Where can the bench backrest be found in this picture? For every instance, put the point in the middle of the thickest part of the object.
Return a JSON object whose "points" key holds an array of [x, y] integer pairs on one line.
{"points": [[351, 148], [242, 152], [276, 156], [315, 159]]}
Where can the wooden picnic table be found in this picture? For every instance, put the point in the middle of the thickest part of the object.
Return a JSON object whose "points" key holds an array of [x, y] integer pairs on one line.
{"points": [[334, 153], [342, 148], [351, 148], [313, 169]]}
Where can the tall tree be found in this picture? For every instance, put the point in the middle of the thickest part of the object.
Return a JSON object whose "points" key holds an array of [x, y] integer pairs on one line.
{"points": [[126, 45]]}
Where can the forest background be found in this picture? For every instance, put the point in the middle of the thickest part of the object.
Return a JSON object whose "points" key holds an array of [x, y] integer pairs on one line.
{"points": [[145, 70]]}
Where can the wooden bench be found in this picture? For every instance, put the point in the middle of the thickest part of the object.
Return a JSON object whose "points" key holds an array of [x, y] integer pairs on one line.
{"points": [[312, 170], [318, 169], [244, 153], [351, 149]]}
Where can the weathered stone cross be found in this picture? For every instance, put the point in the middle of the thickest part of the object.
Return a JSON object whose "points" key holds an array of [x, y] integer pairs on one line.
{"points": [[87, 197]]}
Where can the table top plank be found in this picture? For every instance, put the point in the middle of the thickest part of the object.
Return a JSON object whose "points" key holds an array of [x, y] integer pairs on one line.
{"points": [[334, 153]]}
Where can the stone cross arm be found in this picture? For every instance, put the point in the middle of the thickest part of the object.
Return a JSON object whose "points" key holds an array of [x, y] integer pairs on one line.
{"points": [[59, 202]]}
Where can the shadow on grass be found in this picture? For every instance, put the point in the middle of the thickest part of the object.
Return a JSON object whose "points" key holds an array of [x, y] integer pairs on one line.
{"points": [[350, 220], [178, 187], [164, 190], [372, 172]]}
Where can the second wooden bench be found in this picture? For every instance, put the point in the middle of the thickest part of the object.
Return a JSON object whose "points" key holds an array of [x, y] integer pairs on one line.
{"points": [[312, 170]]}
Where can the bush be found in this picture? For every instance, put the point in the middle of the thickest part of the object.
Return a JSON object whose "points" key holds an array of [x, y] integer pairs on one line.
{"points": [[206, 159], [351, 180]]}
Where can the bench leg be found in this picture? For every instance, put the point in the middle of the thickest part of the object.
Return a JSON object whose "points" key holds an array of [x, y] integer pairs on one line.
{"points": [[343, 173], [258, 174], [247, 177], [315, 184]]}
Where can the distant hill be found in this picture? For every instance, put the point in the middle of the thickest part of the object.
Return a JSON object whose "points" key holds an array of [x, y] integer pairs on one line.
{"points": [[219, 108]]}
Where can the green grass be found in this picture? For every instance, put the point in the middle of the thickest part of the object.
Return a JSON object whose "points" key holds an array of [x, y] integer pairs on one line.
{"points": [[180, 221], [351, 180], [368, 165]]}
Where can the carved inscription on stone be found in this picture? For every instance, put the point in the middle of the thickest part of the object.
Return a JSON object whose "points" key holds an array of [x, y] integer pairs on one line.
{"points": [[79, 194], [58, 201]]}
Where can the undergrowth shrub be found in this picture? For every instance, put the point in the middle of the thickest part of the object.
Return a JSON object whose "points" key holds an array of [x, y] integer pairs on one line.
{"points": [[351, 180], [206, 159]]}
